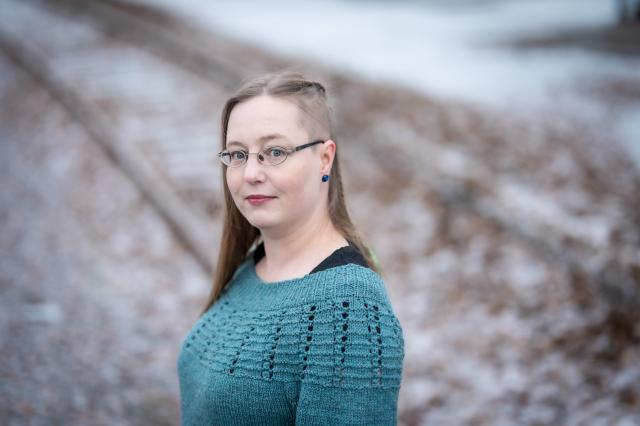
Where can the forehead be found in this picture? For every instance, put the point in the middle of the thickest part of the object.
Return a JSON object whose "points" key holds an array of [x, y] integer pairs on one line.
{"points": [[262, 119], [262, 139]]}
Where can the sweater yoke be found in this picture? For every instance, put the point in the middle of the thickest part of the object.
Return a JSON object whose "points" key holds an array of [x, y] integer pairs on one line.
{"points": [[326, 348]]}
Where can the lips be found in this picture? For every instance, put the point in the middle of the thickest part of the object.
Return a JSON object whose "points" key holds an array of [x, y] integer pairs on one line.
{"points": [[258, 197]]}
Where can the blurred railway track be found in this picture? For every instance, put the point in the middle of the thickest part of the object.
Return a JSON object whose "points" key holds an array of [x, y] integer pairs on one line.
{"points": [[158, 32], [188, 226]]}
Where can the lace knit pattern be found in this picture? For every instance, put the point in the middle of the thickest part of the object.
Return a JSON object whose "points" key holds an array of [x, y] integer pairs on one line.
{"points": [[332, 328]]}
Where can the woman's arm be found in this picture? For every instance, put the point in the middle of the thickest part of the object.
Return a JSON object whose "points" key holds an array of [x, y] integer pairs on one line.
{"points": [[320, 405]]}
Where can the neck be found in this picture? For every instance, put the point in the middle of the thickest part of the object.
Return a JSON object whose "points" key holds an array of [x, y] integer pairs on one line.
{"points": [[299, 251]]}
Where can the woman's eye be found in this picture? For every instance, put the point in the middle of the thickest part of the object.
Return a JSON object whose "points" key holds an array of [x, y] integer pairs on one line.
{"points": [[275, 152], [237, 155]]}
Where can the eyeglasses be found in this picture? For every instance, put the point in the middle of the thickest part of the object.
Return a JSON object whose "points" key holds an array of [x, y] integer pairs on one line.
{"points": [[274, 155]]}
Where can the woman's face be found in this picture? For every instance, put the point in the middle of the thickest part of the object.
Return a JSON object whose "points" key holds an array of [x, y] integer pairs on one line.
{"points": [[295, 183]]}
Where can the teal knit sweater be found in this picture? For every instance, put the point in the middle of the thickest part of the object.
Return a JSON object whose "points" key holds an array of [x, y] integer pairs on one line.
{"points": [[323, 349]]}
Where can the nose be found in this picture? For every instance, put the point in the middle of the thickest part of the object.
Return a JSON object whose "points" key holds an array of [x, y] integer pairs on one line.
{"points": [[252, 168]]}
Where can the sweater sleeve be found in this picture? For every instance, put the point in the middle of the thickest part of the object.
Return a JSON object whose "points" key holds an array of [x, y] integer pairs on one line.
{"points": [[352, 359]]}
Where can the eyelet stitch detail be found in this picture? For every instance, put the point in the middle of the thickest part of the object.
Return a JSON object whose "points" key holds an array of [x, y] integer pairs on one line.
{"points": [[340, 327], [308, 338], [377, 371]]}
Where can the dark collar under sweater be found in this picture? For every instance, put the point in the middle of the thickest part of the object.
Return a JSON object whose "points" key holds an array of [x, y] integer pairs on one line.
{"points": [[341, 256]]}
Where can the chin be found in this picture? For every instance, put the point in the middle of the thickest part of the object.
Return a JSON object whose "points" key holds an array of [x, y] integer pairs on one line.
{"points": [[262, 222]]}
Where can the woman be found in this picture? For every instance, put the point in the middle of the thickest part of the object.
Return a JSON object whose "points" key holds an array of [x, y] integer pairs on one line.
{"points": [[298, 328]]}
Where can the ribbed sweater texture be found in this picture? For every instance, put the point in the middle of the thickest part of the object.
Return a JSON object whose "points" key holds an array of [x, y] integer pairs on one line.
{"points": [[323, 349]]}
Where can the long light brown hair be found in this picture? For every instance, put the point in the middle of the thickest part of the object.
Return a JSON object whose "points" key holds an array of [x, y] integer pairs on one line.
{"points": [[238, 235]]}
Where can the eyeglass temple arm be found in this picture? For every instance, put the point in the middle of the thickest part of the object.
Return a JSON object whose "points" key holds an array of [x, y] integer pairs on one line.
{"points": [[298, 148]]}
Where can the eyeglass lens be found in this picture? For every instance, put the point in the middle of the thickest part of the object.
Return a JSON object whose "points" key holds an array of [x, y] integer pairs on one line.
{"points": [[273, 155]]}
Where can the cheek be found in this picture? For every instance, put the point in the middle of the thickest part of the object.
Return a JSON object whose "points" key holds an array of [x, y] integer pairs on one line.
{"points": [[232, 182], [295, 186]]}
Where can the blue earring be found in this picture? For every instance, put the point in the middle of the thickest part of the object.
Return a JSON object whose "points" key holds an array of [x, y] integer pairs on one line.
{"points": [[325, 178]]}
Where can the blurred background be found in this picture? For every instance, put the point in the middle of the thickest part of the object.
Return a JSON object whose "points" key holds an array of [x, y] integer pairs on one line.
{"points": [[497, 142]]}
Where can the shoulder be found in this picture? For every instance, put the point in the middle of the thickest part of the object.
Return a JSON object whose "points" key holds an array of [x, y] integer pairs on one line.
{"points": [[359, 282], [358, 336]]}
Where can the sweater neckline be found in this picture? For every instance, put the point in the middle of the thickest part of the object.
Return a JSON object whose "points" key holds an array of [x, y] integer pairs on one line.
{"points": [[347, 280], [261, 282]]}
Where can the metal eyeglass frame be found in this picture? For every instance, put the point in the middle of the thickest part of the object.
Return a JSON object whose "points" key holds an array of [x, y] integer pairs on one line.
{"points": [[288, 151]]}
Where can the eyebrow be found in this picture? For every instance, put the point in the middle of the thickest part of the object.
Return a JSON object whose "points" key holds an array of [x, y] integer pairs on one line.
{"points": [[262, 139]]}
